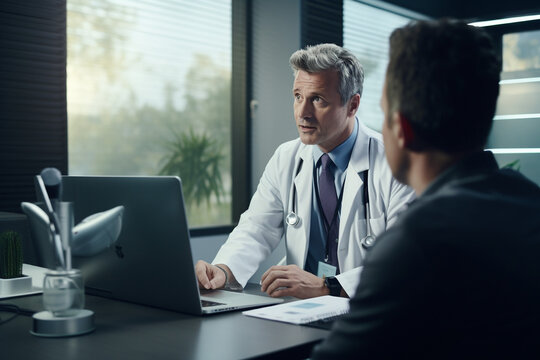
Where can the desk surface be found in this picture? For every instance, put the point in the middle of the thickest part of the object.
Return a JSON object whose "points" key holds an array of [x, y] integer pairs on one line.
{"points": [[125, 330]]}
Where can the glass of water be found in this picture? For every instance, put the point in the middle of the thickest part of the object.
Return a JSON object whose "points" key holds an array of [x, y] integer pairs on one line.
{"points": [[63, 292]]}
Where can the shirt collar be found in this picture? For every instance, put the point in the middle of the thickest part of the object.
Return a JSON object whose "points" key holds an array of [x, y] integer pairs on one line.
{"points": [[342, 153]]}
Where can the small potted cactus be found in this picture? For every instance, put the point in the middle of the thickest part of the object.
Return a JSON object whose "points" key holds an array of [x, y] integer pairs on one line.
{"points": [[12, 280]]}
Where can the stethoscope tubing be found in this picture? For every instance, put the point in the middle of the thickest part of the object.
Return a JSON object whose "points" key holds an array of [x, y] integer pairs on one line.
{"points": [[292, 218]]}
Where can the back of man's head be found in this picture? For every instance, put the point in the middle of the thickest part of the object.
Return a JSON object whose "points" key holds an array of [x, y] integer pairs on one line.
{"points": [[323, 57], [443, 77]]}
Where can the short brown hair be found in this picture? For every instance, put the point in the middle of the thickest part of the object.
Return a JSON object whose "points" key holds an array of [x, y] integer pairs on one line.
{"points": [[443, 76]]}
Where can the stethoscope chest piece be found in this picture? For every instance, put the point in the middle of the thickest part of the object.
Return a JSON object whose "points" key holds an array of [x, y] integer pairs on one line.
{"points": [[368, 241], [292, 219]]}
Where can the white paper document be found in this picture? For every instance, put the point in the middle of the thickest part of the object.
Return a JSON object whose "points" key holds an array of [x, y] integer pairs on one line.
{"points": [[303, 311]]}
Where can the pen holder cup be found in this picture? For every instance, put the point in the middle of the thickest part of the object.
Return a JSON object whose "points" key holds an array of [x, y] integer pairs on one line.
{"points": [[63, 292]]}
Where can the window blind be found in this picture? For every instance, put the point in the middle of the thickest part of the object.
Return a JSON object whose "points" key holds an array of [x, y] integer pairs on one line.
{"points": [[366, 30], [322, 22]]}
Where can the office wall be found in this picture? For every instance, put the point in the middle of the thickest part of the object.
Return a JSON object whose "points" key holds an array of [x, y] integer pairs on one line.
{"points": [[276, 35], [206, 247]]}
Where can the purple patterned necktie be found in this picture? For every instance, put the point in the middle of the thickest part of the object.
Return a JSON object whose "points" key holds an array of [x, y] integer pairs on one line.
{"points": [[328, 198]]}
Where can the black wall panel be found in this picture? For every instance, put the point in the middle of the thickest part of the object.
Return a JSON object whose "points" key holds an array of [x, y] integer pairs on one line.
{"points": [[33, 118]]}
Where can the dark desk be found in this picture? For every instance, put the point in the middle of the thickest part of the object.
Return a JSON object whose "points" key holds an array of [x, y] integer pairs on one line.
{"points": [[130, 331]]}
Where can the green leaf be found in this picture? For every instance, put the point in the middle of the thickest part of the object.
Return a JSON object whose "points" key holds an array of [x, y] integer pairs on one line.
{"points": [[196, 159], [515, 165]]}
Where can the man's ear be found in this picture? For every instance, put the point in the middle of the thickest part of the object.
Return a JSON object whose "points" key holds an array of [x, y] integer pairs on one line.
{"points": [[406, 136], [354, 103]]}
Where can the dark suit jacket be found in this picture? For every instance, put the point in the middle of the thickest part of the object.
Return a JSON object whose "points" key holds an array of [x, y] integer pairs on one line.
{"points": [[457, 276]]}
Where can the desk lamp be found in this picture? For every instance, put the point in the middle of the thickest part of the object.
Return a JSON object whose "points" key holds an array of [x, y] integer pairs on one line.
{"points": [[57, 240]]}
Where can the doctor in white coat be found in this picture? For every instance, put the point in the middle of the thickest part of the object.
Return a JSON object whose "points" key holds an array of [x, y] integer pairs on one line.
{"points": [[327, 91]]}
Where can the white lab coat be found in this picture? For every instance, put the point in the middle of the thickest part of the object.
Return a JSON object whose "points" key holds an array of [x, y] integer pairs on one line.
{"points": [[263, 225]]}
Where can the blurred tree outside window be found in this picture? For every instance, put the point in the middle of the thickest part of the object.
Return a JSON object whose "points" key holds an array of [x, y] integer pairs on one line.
{"points": [[521, 51], [148, 91]]}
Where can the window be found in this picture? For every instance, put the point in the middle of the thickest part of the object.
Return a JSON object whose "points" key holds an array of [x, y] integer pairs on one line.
{"points": [[514, 138], [366, 30], [521, 51], [149, 93]]}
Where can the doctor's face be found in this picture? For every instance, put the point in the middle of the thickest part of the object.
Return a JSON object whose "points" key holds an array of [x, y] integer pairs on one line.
{"points": [[320, 117]]}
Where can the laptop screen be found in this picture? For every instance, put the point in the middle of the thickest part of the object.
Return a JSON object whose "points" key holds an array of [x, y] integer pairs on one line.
{"points": [[151, 262]]}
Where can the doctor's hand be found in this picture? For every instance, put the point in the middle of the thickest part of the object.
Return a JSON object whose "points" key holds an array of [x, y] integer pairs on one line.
{"points": [[210, 276], [290, 280]]}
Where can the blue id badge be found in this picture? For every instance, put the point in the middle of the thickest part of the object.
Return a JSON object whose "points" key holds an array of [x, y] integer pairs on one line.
{"points": [[326, 270]]}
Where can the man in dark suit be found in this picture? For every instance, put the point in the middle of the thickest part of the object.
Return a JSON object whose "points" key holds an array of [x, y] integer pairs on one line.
{"points": [[458, 275]]}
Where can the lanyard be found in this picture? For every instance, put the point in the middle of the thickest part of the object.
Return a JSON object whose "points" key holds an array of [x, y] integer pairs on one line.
{"points": [[336, 211], [327, 226]]}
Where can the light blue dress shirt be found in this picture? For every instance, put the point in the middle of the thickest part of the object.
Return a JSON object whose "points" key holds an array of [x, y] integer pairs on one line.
{"points": [[317, 234]]}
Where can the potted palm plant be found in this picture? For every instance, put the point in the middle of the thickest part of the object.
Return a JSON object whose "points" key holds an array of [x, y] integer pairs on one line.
{"points": [[196, 158]]}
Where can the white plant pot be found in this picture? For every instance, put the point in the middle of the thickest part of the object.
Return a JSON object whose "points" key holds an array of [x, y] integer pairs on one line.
{"points": [[15, 285]]}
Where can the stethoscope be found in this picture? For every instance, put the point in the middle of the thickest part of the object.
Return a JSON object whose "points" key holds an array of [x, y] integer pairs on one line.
{"points": [[368, 240], [292, 219]]}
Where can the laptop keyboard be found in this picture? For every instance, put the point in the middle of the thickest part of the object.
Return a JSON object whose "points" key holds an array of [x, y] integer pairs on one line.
{"points": [[207, 303]]}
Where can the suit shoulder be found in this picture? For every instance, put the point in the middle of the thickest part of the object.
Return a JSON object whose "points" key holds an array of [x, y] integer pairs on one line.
{"points": [[284, 157], [376, 145], [369, 131], [377, 157], [288, 151], [289, 146]]}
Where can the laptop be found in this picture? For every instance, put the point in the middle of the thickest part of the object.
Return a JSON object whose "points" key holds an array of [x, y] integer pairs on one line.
{"points": [[151, 263]]}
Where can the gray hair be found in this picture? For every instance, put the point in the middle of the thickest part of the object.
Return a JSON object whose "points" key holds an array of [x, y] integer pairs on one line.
{"points": [[322, 57]]}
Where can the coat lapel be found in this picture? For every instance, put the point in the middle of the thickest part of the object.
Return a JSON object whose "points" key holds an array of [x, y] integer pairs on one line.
{"points": [[298, 236], [352, 196]]}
